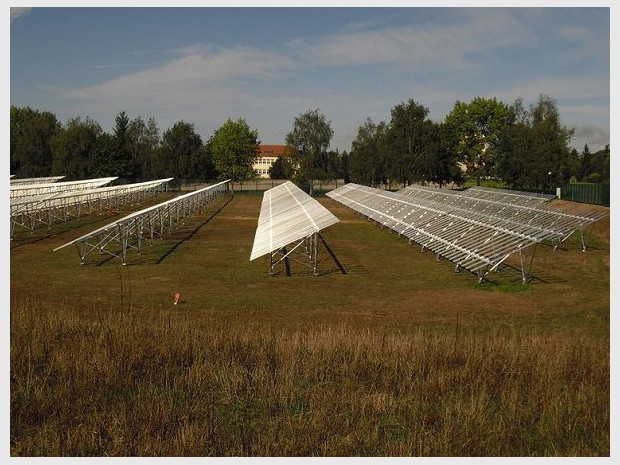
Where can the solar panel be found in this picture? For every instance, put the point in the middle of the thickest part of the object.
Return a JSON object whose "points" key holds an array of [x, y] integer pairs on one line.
{"points": [[508, 196], [117, 237], [466, 241], [516, 210], [43, 210], [289, 216], [42, 180], [56, 187], [459, 229]]}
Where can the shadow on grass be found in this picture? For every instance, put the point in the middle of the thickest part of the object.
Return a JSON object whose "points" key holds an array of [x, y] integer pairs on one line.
{"points": [[25, 237], [148, 258], [326, 266], [192, 233], [511, 276], [322, 271]]}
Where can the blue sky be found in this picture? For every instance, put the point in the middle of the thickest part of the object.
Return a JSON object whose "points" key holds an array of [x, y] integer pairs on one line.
{"points": [[268, 65]]}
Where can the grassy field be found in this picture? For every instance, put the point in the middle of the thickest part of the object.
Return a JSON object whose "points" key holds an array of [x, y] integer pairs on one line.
{"points": [[399, 357]]}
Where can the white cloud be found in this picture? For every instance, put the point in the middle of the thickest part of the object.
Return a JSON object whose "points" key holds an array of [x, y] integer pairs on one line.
{"points": [[17, 12], [594, 136], [202, 84], [207, 84], [192, 73], [430, 45]]}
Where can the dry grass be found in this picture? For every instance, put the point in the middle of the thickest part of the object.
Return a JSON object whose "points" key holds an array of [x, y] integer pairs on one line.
{"points": [[133, 384], [400, 357]]}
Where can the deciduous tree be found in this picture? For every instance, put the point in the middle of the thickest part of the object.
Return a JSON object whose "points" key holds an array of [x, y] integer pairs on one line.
{"points": [[309, 138], [30, 147], [407, 134], [552, 164], [281, 169], [367, 161], [477, 132], [143, 143], [180, 152], [234, 147], [74, 147]]}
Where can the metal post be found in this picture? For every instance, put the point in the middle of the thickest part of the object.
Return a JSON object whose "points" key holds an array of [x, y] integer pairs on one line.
{"points": [[314, 254]]}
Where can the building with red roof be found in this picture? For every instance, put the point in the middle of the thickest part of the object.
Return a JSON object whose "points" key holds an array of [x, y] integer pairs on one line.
{"points": [[267, 156]]}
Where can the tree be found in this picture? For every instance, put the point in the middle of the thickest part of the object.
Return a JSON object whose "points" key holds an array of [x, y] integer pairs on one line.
{"points": [[31, 134], [142, 141], [181, 152], [595, 166], [407, 133], [552, 163], [234, 148], [537, 156], [116, 160], [604, 156], [326, 165], [512, 163], [344, 167], [585, 161], [367, 161], [439, 164], [309, 138], [121, 163], [105, 146], [477, 132], [281, 168], [74, 147]]}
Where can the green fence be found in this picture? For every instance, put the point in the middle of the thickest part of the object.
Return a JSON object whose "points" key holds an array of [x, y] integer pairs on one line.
{"points": [[586, 192]]}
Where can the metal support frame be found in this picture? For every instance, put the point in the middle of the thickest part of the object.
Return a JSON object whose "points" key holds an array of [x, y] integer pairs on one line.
{"points": [[127, 233], [45, 210], [477, 232], [463, 237], [28, 190], [308, 257], [517, 211], [288, 229]]}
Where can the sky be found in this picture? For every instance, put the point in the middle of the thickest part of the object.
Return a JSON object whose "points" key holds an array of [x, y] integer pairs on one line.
{"points": [[270, 64]]}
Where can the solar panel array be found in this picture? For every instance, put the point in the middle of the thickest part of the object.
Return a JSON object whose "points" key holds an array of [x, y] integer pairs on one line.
{"points": [[475, 235], [47, 188], [516, 210], [289, 216], [129, 232], [511, 197], [43, 180], [46, 209]]}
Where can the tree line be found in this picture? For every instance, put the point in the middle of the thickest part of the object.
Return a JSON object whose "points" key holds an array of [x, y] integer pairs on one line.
{"points": [[525, 149], [80, 149]]}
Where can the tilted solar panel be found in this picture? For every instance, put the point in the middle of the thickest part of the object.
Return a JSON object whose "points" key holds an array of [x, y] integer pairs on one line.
{"points": [[515, 210], [38, 210], [56, 187], [130, 230], [467, 241], [475, 234], [287, 215], [42, 180]]}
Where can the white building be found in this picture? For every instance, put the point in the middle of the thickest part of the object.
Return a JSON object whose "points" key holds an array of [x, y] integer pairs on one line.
{"points": [[267, 156]]}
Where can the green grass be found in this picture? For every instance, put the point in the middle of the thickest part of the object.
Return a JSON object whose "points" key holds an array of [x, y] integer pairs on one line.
{"points": [[399, 357]]}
